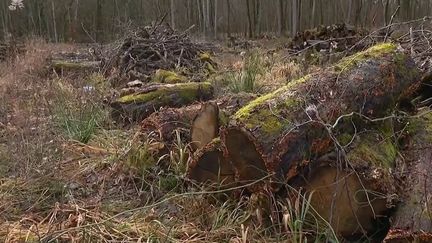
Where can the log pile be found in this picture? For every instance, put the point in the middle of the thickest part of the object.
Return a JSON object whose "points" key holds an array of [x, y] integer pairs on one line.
{"points": [[331, 133], [158, 47]]}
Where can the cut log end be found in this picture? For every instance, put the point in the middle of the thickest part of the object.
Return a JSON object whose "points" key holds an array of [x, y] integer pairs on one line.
{"points": [[351, 208], [205, 126], [210, 166], [247, 161]]}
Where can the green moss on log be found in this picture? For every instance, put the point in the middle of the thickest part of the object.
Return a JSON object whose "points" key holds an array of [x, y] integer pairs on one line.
{"points": [[373, 52], [267, 117], [168, 77], [381, 154], [187, 91], [422, 122]]}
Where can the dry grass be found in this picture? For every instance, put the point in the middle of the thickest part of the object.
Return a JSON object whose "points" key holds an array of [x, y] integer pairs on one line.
{"points": [[66, 174]]}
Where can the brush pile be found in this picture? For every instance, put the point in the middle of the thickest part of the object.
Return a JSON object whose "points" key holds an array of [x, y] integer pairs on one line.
{"points": [[334, 38], [10, 49], [158, 47]]}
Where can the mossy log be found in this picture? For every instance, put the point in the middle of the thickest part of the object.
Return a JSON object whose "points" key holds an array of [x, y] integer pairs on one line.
{"points": [[61, 66], [283, 131], [412, 221], [139, 105]]}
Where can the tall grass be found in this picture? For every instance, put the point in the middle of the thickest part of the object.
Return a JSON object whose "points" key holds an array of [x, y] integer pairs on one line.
{"points": [[247, 79], [77, 112]]}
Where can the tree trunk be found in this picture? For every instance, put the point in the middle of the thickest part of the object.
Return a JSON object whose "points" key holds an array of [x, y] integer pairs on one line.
{"points": [[412, 221], [280, 15], [257, 17], [228, 18], [249, 17], [281, 132], [215, 18], [172, 11], [294, 27], [54, 21], [139, 105], [99, 21]]}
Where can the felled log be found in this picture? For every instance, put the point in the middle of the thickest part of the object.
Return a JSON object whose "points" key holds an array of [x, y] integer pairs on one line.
{"points": [[412, 221], [282, 132], [139, 105], [61, 66]]}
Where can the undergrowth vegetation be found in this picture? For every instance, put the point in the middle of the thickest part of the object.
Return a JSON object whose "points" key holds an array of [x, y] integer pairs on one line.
{"points": [[68, 174]]}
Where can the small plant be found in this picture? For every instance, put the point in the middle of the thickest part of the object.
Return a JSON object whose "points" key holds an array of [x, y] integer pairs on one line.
{"points": [[77, 114], [246, 80], [298, 218]]}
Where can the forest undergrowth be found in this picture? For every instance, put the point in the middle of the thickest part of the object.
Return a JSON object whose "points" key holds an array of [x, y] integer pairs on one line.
{"points": [[68, 173]]}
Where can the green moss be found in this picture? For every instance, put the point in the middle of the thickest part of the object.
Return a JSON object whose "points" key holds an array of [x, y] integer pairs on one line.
{"points": [[169, 182], [205, 57], [375, 51], [246, 111], [223, 118], [382, 153], [415, 126], [168, 77], [258, 115], [187, 91]]}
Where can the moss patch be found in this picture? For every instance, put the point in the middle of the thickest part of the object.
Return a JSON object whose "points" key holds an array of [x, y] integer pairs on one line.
{"points": [[168, 77], [380, 152], [375, 51]]}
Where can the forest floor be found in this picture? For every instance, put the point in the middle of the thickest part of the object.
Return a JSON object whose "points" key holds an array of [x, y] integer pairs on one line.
{"points": [[66, 171]]}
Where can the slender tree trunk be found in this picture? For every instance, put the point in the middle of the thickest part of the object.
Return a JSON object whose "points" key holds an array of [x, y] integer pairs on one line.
{"points": [[54, 21], [313, 17], [349, 15], [248, 9], [215, 18], [280, 14], [294, 17], [257, 17], [172, 8], [228, 18], [99, 21]]}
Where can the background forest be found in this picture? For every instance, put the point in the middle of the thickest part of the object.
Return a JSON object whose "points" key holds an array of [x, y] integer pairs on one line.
{"points": [[103, 20], [233, 121]]}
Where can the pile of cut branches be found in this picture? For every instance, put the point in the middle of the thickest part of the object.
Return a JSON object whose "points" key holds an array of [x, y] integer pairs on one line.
{"points": [[157, 47], [334, 38]]}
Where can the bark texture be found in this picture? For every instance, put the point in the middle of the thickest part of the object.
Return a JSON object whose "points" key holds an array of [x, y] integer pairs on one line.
{"points": [[412, 221]]}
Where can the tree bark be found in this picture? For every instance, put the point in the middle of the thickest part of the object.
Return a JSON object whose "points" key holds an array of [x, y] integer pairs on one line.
{"points": [[412, 221]]}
